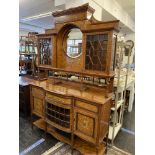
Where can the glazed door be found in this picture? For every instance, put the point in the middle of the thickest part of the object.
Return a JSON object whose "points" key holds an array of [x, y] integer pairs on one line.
{"points": [[96, 51], [45, 51]]}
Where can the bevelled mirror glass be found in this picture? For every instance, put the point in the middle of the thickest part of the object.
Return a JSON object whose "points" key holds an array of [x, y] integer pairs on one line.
{"points": [[73, 42]]}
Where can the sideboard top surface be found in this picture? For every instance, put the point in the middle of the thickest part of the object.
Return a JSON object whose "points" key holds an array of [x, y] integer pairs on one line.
{"points": [[91, 94]]}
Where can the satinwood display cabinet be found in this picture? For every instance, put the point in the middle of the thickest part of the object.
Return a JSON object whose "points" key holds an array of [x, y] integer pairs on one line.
{"points": [[74, 103]]}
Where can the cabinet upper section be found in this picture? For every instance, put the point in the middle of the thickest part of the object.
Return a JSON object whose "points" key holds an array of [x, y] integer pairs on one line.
{"points": [[79, 43]]}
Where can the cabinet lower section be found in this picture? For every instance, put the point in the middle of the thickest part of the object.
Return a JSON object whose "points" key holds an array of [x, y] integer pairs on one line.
{"points": [[77, 122]]}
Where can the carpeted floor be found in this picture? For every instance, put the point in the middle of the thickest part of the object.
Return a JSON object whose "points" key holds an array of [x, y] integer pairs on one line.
{"points": [[64, 149]]}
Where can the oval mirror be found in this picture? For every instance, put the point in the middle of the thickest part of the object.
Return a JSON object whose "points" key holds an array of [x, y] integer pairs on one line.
{"points": [[73, 43]]}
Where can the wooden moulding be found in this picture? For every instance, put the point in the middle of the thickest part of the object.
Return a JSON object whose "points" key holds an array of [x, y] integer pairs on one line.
{"points": [[84, 147], [73, 14], [87, 26], [89, 73]]}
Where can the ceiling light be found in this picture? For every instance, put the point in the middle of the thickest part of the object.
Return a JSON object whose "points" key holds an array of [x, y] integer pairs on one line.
{"points": [[38, 16]]}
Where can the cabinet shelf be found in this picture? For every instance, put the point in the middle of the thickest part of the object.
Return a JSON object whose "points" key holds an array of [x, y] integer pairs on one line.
{"points": [[51, 130], [119, 103], [66, 115], [79, 144], [68, 122]]}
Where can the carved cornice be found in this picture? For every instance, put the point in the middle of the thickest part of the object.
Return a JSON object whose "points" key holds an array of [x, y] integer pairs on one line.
{"points": [[79, 9]]}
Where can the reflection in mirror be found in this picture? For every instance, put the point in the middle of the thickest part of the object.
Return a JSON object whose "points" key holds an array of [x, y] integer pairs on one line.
{"points": [[74, 43]]}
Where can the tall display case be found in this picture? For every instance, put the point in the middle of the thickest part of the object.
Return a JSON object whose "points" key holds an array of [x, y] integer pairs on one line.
{"points": [[28, 53], [74, 103]]}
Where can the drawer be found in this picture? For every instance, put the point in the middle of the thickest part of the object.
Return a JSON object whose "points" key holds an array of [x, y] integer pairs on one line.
{"points": [[86, 106], [37, 92], [60, 99]]}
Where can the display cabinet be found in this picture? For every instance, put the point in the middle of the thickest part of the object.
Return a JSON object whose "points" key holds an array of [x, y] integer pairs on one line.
{"points": [[74, 103], [28, 54]]}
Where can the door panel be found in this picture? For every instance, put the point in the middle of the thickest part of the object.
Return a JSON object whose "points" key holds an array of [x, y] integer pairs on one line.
{"points": [[85, 125]]}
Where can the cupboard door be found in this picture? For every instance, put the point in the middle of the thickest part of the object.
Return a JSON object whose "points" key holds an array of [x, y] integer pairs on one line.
{"points": [[45, 50], [96, 52], [37, 101], [85, 125]]}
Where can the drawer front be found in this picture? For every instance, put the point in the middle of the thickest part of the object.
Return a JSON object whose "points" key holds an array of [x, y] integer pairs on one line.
{"points": [[85, 125], [38, 106], [58, 99], [37, 92], [86, 106]]}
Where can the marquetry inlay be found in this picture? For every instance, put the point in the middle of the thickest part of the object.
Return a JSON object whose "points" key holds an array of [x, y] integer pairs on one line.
{"points": [[85, 124]]}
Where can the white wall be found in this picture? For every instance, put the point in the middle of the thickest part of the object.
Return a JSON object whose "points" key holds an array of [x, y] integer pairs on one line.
{"points": [[98, 9], [75, 3], [130, 36]]}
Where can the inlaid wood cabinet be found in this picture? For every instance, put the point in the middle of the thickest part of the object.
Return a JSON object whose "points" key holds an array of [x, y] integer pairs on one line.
{"points": [[72, 103], [79, 117]]}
